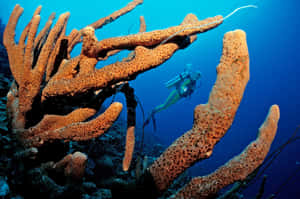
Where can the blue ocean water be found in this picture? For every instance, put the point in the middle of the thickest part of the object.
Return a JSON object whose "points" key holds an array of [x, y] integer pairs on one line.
{"points": [[273, 41]]}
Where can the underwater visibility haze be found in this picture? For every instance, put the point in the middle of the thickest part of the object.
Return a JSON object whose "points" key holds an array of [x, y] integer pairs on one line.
{"points": [[59, 104]]}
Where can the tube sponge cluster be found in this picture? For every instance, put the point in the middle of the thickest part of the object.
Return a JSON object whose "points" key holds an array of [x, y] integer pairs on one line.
{"points": [[211, 122]]}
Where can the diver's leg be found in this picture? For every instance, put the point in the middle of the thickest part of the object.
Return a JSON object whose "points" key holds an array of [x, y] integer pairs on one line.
{"points": [[172, 99]]}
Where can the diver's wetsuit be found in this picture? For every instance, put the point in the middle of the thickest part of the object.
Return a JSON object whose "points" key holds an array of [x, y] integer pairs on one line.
{"points": [[187, 87], [184, 89]]}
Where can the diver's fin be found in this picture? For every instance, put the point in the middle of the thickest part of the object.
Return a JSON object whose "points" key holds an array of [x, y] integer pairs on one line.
{"points": [[146, 121], [154, 122], [150, 117]]}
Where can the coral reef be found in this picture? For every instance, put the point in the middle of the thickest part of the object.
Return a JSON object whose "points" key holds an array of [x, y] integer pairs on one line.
{"points": [[4, 87], [53, 101]]}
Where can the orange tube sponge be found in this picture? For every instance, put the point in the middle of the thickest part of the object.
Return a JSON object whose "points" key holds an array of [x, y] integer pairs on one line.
{"points": [[211, 120], [71, 127], [144, 58], [29, 74], [237, 168], [130, 141], [74, 37], [45, 74]]}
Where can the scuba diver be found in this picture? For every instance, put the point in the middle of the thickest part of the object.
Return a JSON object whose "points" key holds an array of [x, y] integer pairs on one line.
{"points": [[184, 85]]}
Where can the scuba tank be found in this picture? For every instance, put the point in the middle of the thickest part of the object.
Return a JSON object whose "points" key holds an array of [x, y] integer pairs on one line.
{"points": [[175, 80], [178, 78]]}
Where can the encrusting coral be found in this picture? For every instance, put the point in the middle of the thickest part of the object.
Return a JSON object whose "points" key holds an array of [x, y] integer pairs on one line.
{"points": [[54, 95]]}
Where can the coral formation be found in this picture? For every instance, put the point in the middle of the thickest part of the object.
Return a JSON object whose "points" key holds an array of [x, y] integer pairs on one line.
{"points": [[73, 164], [54, 99]]}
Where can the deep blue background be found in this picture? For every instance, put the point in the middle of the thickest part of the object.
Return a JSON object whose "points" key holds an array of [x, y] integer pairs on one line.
{"points": [[273, 41]]}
